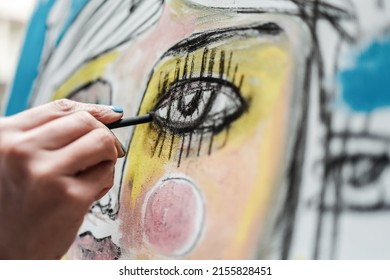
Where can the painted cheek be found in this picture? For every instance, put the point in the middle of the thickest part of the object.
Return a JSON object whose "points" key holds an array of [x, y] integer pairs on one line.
{"points": [[173, 217]]}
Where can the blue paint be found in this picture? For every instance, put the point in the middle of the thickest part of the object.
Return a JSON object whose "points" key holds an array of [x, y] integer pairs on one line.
{"points": [[29, 60], [366, 87]]}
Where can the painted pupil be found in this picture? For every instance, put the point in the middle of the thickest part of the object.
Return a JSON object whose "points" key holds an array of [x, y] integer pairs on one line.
{"points": [[199, 105]]}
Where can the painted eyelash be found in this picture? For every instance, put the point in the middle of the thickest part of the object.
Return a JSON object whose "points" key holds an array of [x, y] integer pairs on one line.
{"points": [[183, 77], [207, 65], [164, 86]]}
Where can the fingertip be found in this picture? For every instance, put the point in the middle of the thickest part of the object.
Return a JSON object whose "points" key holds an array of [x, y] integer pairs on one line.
{"points": [[122, 151], [116, 109], [105, 113]]}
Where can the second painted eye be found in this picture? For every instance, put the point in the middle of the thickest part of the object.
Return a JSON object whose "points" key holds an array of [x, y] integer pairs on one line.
{"points": [[199, 105], [96, 92]]}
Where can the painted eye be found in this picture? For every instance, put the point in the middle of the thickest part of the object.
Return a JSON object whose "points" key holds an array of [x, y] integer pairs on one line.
{"points": [[199, 105], [360, 177], [97, 92]]}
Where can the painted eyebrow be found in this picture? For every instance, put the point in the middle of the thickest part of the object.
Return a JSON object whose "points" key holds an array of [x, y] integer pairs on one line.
{"points": [[204, 39]]}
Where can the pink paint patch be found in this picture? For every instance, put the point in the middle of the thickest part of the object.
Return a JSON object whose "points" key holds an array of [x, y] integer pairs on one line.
{"points": [[91, 248], [173, 217]]}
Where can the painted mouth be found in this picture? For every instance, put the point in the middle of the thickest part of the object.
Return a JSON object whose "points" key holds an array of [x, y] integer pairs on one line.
{"points": [[92, 248]]}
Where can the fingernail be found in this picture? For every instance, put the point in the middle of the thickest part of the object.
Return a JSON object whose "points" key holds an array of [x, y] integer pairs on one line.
{"points": [[123, 149], [116, 109], [119, 147]]}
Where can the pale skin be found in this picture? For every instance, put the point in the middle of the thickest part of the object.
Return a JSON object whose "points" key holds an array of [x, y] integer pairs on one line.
{"points": [[55, 161]]}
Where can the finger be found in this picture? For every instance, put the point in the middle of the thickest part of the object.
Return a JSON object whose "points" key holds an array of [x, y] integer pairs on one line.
{"points": [[96, 181], [42, 114], [63, 131], [87, 151]]}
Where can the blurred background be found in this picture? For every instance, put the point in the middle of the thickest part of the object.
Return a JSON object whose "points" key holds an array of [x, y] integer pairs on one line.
{"points": [[14, 16]]}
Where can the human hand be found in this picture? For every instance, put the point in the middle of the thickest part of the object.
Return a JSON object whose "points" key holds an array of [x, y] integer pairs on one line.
{"points": [[55, 161]]}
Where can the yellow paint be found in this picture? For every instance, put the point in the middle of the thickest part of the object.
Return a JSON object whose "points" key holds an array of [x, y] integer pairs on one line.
{"points": [[264, 68], [142, 166], [88, 73], [267, 176]]}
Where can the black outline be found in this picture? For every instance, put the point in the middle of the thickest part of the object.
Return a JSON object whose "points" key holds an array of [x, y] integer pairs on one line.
{"points": [[89, 85], [311, 13], [204, 81], [115, 249]]}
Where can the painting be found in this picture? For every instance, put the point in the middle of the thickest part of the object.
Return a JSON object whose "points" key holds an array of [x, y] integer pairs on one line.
{"points": [[269, 136]]}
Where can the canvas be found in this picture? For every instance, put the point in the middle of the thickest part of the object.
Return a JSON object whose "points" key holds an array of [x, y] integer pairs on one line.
{"points": [[269, 136]]}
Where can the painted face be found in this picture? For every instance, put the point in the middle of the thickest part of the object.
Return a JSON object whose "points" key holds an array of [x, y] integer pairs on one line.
{"points": [[201, 180], [345, 197], [357, 163], [254, 115]]}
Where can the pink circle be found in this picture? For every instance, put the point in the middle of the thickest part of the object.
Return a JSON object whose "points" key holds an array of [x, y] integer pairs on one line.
{"points": [[172, 218]]}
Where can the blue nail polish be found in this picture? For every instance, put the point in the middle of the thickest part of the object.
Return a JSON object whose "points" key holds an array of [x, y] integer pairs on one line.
{"points": [[116, 109]]}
